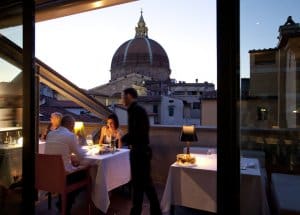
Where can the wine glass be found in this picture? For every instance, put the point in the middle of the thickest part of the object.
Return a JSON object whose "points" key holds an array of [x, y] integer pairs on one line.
{"points": [[211, 153], [89, 140]]}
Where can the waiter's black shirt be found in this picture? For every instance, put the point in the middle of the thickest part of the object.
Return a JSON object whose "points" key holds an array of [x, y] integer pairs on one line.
{"points": [[138, 127]]}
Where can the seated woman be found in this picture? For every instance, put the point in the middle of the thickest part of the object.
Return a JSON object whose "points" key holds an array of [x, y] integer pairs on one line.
{"points": [[111, 130]]}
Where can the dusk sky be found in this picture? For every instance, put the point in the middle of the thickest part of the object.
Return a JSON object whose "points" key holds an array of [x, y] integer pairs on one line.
{"points": [[80, 47]]}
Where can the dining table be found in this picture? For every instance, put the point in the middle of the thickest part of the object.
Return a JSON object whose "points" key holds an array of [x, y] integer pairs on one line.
{"points": [[109, 171], [195, 186]]}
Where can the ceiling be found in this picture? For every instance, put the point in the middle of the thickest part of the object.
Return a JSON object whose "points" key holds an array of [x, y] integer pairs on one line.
{"points": [[11, 10]]}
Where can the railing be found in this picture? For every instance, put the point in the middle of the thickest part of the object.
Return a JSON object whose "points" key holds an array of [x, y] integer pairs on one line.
{"points": [[281, 145]]}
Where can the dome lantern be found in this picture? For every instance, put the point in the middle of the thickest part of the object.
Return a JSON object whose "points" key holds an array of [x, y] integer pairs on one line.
{"points": [[141, 55], [141, 30]]}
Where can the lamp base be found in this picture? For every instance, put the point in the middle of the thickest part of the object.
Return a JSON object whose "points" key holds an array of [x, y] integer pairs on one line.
{"points": [[188, 148], [185, 159]]}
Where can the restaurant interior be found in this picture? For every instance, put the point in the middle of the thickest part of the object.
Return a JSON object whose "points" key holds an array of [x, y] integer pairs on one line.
{"points": [[221, 169]]}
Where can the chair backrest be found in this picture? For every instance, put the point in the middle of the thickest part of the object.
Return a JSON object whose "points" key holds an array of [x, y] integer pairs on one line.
{"points": [[50, 173]]}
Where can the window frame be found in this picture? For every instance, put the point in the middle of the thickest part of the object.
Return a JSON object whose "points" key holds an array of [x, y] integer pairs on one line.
{"points": [[228, 95]]}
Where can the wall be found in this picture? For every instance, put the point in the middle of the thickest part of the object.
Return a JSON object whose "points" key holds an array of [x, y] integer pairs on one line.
{"points": [[152, 73], [166, 145], [209, 112], [292, 82], [263, 73], [177, 119], [248, 112], [122, 115], [117, 86]]}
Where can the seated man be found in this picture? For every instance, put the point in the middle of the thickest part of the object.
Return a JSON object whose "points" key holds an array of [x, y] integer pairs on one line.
{"points": [[63, 141]]}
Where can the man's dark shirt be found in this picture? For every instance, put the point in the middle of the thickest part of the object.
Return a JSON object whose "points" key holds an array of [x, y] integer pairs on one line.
{"points": [[138, 127]]}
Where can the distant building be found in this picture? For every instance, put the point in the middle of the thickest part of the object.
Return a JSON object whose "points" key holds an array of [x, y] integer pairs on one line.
{"points": [[161, 110], [191, 94], [209, 109], [273, 99], [137, 61], [142, 63], [166, 110], [50, 103], [245, 87]]}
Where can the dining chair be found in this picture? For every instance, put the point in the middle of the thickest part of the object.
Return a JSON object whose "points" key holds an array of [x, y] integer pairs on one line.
{"points": [[51, 176], [11, 197]]}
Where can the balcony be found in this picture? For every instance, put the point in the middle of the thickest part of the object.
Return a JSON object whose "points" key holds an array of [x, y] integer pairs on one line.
{"points": [[280, 146]]}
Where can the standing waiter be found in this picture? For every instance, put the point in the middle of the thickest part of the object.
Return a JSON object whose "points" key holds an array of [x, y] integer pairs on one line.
{"points": [[140, 154]]}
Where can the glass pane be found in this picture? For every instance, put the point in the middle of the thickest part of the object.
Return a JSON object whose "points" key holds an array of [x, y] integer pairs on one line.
{"points": [[270, 150], [11, 105], [179, 64], [14, 34]]}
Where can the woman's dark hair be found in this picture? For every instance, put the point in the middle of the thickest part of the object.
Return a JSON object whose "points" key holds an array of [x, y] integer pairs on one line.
{"points": [[115, 120]]}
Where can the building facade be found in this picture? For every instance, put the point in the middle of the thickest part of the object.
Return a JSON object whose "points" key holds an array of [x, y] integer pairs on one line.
{"points": [[274, 82]]}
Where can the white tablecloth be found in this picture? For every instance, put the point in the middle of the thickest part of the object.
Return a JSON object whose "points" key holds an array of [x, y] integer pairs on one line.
{"points": [[113, 170], [42, 145], [196, 186]]}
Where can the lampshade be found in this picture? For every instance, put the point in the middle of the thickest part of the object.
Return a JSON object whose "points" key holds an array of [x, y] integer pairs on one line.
{"points": [[188, 134], [78, 127]]}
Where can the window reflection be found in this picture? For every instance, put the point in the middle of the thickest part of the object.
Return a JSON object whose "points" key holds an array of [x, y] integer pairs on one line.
{"points": [[11, 106], [269, 104], [10, 95]]}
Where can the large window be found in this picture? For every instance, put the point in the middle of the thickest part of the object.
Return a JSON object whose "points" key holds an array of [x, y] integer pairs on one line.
{"points": [[11, 116], [270, 59]]}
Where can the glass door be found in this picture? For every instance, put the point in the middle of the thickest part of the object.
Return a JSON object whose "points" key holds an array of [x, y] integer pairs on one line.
{"points": [[269, 106], [11, 108]]}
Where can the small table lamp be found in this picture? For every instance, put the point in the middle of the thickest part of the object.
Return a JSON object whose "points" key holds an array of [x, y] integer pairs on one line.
{"points": [[188, 134], [78, 127]]}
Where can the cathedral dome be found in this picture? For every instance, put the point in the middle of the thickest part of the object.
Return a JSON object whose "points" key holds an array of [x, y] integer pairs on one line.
{"points": [[140, 55], [140, 51]]}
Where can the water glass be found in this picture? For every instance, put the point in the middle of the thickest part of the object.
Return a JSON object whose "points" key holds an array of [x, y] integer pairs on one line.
{"points": [[89, 140]]}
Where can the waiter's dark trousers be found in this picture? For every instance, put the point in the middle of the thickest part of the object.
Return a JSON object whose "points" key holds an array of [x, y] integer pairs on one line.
{"points": [[140, 159]]}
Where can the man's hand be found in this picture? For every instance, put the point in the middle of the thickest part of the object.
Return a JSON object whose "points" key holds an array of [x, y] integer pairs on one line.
{"points": [[74, 160]]}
